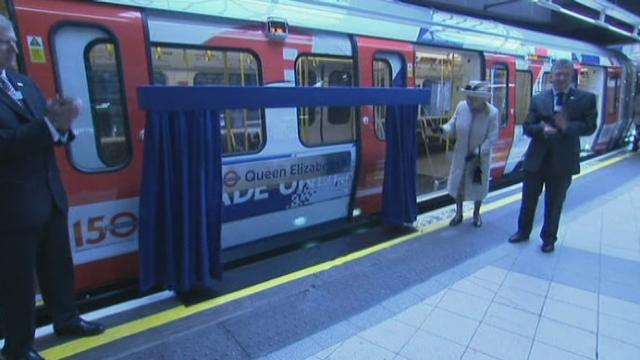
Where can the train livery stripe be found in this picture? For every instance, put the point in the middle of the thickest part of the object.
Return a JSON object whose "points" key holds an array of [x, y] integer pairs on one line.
{"points": [[137, 326]]}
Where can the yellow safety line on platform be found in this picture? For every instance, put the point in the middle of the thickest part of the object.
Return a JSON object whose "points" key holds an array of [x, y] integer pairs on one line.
{"points": [[83, 344]]}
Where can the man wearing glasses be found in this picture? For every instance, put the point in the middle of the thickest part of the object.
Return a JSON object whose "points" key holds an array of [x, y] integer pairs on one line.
{"points": [[556, 120]]}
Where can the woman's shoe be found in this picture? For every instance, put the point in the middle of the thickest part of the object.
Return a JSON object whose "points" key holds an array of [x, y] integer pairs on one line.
{"points": [[477, 221], [456, 220]]}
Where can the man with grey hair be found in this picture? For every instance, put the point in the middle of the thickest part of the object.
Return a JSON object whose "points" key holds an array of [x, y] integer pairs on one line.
{"points": [[556, 120], [34, 233]]}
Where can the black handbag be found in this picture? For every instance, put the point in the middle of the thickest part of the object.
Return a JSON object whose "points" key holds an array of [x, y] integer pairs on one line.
{"points": [[477, 171], [477, 175]]}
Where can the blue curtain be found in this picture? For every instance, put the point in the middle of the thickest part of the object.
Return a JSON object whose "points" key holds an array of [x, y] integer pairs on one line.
{"points": [[399, 205], [181, 201]]}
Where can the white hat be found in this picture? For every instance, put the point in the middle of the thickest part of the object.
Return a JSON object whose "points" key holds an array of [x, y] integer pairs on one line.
{"points": [[477, 89]]}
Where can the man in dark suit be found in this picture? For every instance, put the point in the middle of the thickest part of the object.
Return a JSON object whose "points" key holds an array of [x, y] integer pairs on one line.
{"points": [[557, 118], [33, 209]]}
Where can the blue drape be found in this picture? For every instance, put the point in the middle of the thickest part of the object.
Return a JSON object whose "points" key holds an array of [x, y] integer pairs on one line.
{"points": [[399, 187], [181, 201], [181, 195]]}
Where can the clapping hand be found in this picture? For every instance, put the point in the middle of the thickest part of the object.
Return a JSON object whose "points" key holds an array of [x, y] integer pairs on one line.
{"points": [[62, 111], [549, 130], [560, 121]]}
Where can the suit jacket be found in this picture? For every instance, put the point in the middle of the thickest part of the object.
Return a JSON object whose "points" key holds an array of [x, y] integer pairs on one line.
{"points": [[563, 148], [29, 177]]}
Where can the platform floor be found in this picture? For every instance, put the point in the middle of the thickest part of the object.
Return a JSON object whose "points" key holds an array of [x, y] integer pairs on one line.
{"points": [[440, 293]]}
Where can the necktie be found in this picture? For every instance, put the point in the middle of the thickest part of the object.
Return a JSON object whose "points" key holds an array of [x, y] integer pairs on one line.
{"points": [[6, 85], [560, 99]]}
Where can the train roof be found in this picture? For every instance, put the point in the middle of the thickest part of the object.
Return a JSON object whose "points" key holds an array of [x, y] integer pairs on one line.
{"points": [[392, 20]]}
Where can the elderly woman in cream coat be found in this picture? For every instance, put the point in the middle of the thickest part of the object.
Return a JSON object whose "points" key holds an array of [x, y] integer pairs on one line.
{"points": [[475, 127]]}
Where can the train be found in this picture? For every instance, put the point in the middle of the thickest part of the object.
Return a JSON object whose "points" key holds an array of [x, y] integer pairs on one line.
{"points": [[101, 51]]}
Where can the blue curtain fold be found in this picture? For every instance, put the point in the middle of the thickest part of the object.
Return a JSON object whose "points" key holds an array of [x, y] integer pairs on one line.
{"points": [[181, 201], [399, 200]]}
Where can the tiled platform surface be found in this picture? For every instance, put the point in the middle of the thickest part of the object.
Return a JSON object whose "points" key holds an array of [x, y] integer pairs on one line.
{"points": [[513, 302]]}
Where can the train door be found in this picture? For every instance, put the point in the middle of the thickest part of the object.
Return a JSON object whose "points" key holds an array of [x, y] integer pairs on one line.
{"points": [[382, 63], [501, 74], [526, 76], [444, 72], [95, 53], [611, 108], [593, 79]]}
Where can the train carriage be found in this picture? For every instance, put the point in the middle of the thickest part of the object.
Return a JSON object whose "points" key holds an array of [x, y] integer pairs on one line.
{"points": [[284, 170]]}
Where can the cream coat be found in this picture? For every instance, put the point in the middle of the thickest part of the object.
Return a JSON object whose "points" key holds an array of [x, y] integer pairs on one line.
{"points": [[471, 131]]}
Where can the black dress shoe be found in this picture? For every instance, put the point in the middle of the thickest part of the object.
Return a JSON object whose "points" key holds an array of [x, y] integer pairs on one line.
{"points": [[547, 247], [79, 327], [518, 237], [455, 221], [31, 355], [477, 221]]}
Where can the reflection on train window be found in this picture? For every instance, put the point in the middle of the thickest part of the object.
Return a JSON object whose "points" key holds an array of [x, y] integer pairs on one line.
{"points": [[325, 125], [546, 81], [613, 93], [499, 93], [111, 127], [159, 78], [381, 78], [242, 130], [444, 72], [524, 88]]}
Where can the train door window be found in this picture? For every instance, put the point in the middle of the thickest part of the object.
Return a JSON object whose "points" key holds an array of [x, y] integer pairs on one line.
{"points": [[444, 72], [613, 93], [524, 89], [382, 75], [242, 130], [325, 125], [103, 140], [499, 93], [546, 81], [159, 78]]}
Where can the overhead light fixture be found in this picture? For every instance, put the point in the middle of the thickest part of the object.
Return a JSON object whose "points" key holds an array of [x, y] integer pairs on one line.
{"points": [[619, 31], [576, 15], [611, 10], [605, 9]]}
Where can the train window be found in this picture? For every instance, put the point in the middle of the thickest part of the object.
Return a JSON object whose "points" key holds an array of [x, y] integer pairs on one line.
{"points": [[242, 130], [105, 93], [613, 94], [546, 81], [325, 125], [381, 78], [103, 140], [499, 91], [159, 78], [524, 89]]}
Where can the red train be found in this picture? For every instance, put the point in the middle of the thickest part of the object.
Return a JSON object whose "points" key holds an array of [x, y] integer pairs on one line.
{"points": [[101, 51]]}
